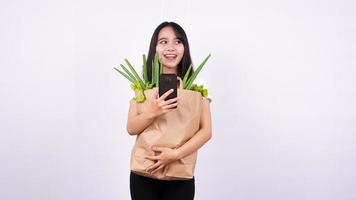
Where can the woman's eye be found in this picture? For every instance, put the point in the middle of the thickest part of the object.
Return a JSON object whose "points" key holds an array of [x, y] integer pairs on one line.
{"points": [[163, 42], [178, 42]]}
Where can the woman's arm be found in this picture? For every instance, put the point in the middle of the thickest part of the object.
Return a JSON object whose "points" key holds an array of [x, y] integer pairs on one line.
{"points": [[136, 123], [169, 155]]}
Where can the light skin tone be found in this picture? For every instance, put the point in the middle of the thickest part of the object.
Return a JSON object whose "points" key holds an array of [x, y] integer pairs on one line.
{"points": [[170, 51]]}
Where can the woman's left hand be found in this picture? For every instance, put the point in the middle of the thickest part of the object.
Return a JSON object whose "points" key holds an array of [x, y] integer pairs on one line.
{"points": [[166, 156]]}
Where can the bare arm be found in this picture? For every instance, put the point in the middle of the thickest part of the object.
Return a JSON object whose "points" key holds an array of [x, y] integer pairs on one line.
{"points": [[169, 155], [136, 123]]}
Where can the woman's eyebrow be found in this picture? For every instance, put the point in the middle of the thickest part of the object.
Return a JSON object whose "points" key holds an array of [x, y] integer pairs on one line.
{"points": [[162, 38]]}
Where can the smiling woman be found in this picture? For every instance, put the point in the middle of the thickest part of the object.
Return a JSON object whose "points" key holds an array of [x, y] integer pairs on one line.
{"points": [[171, 43], [170, 49], [162, 169]]}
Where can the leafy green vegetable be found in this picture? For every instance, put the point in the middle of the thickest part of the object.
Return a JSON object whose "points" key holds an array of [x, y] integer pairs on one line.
{"points": [[139, 85], [135, 73], [187, 74], [128, 77], [144, 69], [128, 72], [139, 91], [195, 74], [199, 88], [157, 70]]}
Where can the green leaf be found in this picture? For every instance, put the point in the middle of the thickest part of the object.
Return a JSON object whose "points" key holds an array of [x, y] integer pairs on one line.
{"points": [[144, 60], [157, 70], [135, 73], [199, 88], [127, 72], [150, 86], [192, 78], [139, 91], [160, 70], [186, 75], [153, 73], [126, 76]]}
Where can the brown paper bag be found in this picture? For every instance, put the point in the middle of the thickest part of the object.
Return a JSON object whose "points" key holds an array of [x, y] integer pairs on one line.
{"points": [[171, 130]]}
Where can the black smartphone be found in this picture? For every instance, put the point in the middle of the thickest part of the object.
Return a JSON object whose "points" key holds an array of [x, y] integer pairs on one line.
{"points": [[167, 82]]}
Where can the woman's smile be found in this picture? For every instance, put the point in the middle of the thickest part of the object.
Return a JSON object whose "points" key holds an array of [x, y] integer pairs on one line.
{"points": [[170, 49]]}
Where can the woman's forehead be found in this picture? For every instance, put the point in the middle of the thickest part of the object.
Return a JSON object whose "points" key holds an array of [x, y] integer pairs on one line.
{"points": [[167, 32]]}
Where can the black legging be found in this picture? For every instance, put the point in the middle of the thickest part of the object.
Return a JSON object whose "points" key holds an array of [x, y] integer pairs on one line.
{"points": [[144, 188]]}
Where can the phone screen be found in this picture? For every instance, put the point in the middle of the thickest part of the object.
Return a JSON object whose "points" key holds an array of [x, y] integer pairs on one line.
{"points": [[167, 82]]}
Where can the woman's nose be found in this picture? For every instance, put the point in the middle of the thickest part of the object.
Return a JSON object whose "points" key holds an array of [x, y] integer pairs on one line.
{"points": [[170, 48]]}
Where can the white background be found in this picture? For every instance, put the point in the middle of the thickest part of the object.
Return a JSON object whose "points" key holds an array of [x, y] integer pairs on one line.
{"points": [[281, 76]]}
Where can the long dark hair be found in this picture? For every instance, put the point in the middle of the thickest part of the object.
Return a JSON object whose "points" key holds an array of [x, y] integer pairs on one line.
{"points": [[186, 59]]}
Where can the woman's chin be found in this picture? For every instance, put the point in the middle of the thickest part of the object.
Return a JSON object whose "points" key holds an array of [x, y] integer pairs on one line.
{"points": [[170, 65]]}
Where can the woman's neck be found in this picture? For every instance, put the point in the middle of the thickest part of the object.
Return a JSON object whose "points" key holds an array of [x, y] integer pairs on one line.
{"points": [[169, 70]]}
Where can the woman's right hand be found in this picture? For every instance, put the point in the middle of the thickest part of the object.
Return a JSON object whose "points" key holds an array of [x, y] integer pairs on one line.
{"points": [[158, 106]]}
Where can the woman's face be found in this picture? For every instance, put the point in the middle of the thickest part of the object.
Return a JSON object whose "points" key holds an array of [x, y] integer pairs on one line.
{"points": [[170, 49]]}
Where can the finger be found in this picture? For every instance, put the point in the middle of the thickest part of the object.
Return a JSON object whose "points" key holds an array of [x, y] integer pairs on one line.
{"points": [[166, 94], [167, 102], [155, 93], [152, 157], [170, 106], [153, 167], [158, 148], [160, 167]]}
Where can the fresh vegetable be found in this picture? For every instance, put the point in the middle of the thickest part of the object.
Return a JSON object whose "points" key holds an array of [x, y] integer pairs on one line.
{"points": [[139, 92], [195, 74], [199, 88], [139, 86]]}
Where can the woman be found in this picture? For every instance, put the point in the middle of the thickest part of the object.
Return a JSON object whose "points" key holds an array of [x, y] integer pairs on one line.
{"points": [[170, 42]]}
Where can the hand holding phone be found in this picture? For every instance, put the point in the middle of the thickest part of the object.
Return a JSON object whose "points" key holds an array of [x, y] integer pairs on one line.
{"points": [[166, 83], [158, 106]]}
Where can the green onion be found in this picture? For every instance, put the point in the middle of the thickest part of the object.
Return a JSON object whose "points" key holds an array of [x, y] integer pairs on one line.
{"points": [[144, 68], [128, 72], [153, 74], [135, 73], [192, 78], [128, 77], [157, 68], [186, 75]]}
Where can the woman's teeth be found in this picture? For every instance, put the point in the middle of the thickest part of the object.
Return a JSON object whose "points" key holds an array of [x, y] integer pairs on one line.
{"points": [[170, 56]]}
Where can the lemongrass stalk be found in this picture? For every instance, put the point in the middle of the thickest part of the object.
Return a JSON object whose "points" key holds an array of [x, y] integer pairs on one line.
{"points": [[122, 73], [186, 75], [151, 85], [153, 74], [194, 75], [156, 66], [144, 68], [192, 78], [127, 72], [160, 69], [135, 73]]}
